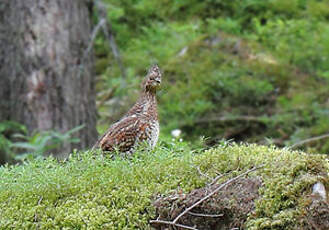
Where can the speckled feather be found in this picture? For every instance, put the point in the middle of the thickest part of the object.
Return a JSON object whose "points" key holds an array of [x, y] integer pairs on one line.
{"points": [[140, 123]]}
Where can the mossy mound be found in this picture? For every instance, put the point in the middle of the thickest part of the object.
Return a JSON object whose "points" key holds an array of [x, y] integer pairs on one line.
{"points": [[91, 192]]}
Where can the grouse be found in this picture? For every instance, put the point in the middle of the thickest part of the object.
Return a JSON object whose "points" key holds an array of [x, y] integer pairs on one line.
{"points": [[140, 123]]}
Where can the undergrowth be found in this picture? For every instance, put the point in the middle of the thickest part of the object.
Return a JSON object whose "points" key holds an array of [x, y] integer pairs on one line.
{"points": [[223, 62], [89, 191]]}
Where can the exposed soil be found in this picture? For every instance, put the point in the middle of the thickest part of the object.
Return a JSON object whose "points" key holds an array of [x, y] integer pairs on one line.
{"points": [[235, 202]]}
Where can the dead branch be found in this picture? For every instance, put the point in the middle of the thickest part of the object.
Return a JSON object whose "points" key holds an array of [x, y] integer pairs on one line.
{"points": [[171, 223], [310, 140], [213, 181], [93, 36], [217, 178], [205, 215], [90, 45], [201, 173], [108, 32]]}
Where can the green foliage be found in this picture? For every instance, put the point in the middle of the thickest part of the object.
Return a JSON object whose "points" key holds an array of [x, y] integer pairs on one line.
{"points": [[16, 144], [7, 129], [42, 142], [90, 191], [223, 60], [303, 42]]}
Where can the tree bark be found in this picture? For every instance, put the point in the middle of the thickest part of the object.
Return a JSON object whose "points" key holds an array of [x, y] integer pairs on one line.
{"points": [[45, 83]]}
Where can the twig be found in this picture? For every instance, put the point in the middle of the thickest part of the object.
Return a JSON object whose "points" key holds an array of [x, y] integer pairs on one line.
{"points": [[171, 223], [39, 201], [93, 36], [205, 215], [107, 29], [213, 192], [35, 214], [201, 173], [90, 45], [216, 179], [108, 33], [310, 140]]}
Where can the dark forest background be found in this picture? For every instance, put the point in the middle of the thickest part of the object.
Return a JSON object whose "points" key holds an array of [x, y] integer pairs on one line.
{"points": [[252, 71]]}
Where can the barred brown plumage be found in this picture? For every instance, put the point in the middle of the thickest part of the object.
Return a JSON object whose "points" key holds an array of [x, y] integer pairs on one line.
{"points": [[140, 123]]}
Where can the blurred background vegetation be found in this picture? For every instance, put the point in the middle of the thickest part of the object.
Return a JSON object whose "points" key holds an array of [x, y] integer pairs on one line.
{"points": [[252, 70]]}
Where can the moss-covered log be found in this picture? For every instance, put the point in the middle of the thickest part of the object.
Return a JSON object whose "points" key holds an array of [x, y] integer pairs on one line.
{"points": [[91, 192]]}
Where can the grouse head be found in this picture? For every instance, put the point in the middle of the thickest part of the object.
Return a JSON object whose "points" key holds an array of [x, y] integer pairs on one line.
{"points": [[153, 79]]}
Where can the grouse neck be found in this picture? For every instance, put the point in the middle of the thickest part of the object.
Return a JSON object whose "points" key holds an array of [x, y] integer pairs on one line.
{"points": [[149, 91], [146, 105], [149, 96], [149, 103]]}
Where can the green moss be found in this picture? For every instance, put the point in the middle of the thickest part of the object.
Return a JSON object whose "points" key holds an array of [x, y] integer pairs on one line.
{"points": [[89, 191]]}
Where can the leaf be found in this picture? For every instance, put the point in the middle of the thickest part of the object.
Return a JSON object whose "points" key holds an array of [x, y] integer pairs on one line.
{"points": [[24, 145], [19, 135], [13, 126], [75, 140], [43, 142], [75, 129]]}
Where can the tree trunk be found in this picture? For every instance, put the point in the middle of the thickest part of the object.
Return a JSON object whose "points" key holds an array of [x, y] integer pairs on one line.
{"points": [[44, 81]]}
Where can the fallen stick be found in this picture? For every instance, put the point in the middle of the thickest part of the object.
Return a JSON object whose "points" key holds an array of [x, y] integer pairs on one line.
{"points": [[310, 140], [205, 215], [171, 223], [217, 178]]}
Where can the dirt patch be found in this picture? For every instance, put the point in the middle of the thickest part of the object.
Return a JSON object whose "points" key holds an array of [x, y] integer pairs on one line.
{"points": [[317, 215], [234, 202]]}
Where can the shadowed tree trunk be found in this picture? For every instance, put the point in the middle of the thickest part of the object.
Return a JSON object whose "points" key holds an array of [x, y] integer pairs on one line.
{"points": [[44, 81]]}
